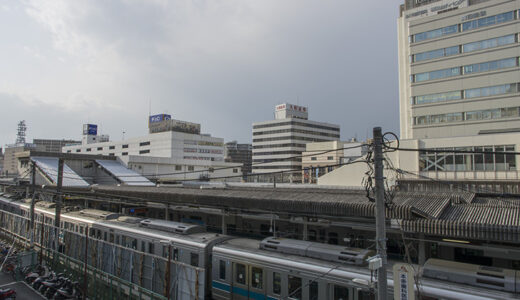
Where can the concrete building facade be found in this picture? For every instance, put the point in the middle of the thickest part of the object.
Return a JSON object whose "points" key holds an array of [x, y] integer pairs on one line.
{"points": [[459, 68], [459, 78], [173, 150], [50, 145], [279, 143], [318, 159], [240, 153]]}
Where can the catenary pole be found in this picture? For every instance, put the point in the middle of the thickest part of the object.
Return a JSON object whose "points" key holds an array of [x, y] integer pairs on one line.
{"points": [[33, 199], [380, 214], [57, 215]]}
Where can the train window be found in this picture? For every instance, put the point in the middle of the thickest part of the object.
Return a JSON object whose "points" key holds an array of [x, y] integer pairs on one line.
{"points": [[165, 251], [257, 277], [123, 241], [81, 229], [313, 290], [133, 244], [105, 236], [99, 234], [222, 270], [366, 295], [175, 254], [340, 292], [277, 283], [194, 259], [295, 287], [150, 248], [143, 246], [111, 238], [240, 273]]}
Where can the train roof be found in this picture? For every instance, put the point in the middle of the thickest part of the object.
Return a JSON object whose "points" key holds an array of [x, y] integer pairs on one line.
{"points": [[322, 251]]}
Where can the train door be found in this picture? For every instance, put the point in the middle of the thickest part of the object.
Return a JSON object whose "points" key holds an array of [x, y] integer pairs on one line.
{"points": [[257, 284], [340, 292], [240, 290]]}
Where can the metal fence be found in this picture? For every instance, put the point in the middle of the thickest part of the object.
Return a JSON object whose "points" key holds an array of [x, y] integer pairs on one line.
{"points": [[112, 271]]}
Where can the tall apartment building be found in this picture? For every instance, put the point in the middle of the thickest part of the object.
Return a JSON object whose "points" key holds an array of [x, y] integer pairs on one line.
{"points": [[279, 143], [459, 68]]}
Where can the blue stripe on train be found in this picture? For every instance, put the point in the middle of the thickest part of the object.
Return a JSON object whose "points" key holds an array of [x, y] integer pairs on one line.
{"points": [[240, 291], [221, 286]]}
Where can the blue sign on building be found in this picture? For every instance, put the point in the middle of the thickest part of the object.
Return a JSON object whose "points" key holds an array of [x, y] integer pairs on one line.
{"points": [[159, 118], [90, 129]]}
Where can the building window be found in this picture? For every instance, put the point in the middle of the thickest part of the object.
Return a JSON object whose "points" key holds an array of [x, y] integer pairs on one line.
{"points": [[449, 161], [488, 21], [313, 158], [111, 147], [111, 154], [144, 144], [491, 43], [419, 37], [191, 168], [68, 151], [144, 151], [99, 148], [491, 65], [178, 168], [235, 170], [437, 74], [330, 157], [124, 153], [211, 170], [124, 146], [89, 149], [78, 150]]}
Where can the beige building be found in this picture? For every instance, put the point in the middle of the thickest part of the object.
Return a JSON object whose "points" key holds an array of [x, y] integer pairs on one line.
{"points": [[10, 159], [318, 159], [458, 67], [459, 82]]}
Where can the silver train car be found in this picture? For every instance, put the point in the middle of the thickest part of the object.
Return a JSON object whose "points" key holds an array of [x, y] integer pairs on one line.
{"points": [[483, 276], [274, 268]]}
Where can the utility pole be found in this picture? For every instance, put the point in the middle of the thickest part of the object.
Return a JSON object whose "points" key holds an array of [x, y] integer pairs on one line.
{"points": [[57, 215], [380, 213], [33, 186]]}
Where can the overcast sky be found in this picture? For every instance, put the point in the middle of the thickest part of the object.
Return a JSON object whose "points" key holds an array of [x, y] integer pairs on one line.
{"points": [[221, 63]]}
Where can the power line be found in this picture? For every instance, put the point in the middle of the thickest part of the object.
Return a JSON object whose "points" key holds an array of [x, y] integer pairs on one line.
{"points": [[226, 168]]}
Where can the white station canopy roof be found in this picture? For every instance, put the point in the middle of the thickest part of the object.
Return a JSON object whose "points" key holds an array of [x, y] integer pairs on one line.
{"points": [[49, 166], [123, 174]]}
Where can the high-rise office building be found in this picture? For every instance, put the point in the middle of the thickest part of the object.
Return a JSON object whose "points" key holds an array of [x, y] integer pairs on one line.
{"points": [[459, 68], [279, 143]]}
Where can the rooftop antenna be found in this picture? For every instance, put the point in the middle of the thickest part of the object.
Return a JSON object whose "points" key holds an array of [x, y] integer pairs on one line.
{"points": [[20, 135]]}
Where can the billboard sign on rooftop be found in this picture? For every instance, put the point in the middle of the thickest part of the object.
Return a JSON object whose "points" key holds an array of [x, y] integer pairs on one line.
{"points": [[159, 118], [89, 129]]}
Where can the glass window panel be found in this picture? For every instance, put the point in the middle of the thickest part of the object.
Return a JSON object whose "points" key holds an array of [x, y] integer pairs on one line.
{"points": [[222, 269], [257, 280], [510, 158], [277, 283], [500, 159], [313, 291], [489, 159], [340, 292], [295, 287], [240, 274], [479, 159]]}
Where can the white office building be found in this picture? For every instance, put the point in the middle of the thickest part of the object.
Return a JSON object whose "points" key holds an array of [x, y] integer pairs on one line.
{"points": [[279, 143], [172, 150]]}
